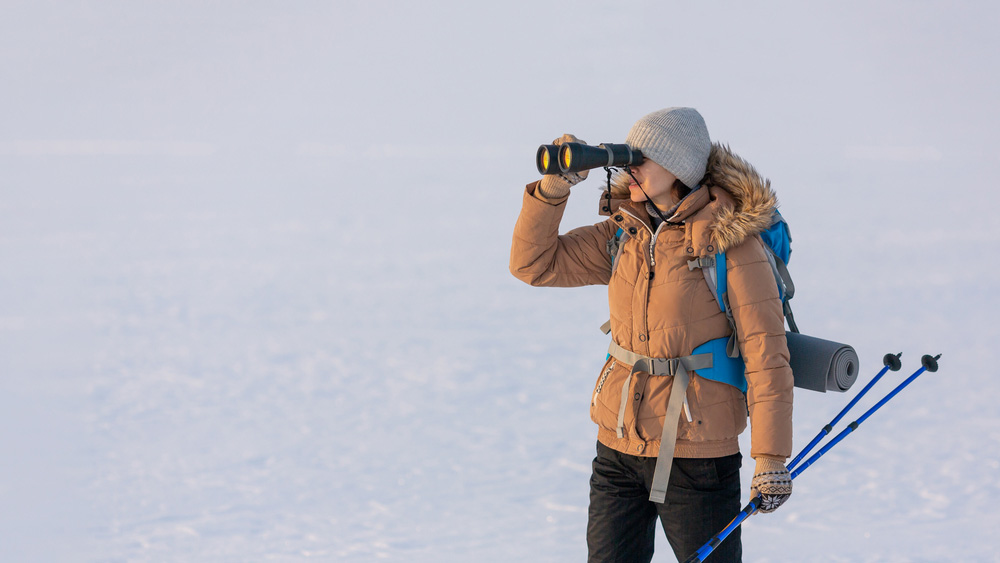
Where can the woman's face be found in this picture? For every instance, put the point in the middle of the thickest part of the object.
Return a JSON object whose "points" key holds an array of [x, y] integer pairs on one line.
{"points": [[656, 181]]}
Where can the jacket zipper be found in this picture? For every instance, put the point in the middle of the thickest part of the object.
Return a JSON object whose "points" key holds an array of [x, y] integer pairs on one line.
{"points": [[652, 245], [652, 241], [600, 384], [652, 265], [652, 258]]}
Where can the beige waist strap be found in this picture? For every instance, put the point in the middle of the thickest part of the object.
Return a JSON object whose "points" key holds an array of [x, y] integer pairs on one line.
{"points": [[677, 368], [660, 366]]}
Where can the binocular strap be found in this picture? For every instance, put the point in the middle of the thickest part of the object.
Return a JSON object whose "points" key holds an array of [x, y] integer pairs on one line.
{"points": [[677, 368]]}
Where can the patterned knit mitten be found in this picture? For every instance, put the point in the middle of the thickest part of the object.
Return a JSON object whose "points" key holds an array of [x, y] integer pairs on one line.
{"points": [[772, 482]]}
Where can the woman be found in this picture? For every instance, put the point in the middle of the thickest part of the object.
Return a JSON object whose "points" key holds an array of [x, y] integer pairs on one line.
{"points": [[689, 199]]}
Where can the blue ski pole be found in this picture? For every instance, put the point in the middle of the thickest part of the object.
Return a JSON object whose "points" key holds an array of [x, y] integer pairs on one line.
{"points": [[928, 362], [705, 550], [891, 362]]}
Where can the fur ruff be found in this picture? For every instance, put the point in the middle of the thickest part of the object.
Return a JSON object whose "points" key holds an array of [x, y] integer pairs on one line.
{"points": [[754, 199]]}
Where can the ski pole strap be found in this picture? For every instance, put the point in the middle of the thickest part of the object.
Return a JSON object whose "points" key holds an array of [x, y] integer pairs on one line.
{"points": [[678, 369]]}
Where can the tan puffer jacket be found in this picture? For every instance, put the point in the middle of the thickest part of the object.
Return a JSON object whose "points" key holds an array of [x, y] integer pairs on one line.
{"points": [[663, 309]]}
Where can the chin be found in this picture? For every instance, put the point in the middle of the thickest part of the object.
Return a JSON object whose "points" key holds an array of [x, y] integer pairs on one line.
{"points": [[637, 197]]}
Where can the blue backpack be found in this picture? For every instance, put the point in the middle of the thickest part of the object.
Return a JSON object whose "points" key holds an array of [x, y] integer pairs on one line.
{"points": [[728, 366]]}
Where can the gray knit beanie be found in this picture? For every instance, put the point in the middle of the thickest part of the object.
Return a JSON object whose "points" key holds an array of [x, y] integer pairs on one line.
{"points": [[676, 139]]}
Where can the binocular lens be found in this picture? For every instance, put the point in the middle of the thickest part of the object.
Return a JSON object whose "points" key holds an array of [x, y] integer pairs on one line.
{"points": [[547, 159]]}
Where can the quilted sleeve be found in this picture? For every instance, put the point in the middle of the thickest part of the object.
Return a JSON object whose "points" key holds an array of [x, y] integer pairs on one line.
{"points": [[760, 326], [540, 256]]}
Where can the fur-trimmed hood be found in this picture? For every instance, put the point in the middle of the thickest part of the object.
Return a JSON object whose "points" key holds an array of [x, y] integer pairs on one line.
{"points": [[754, 200], [746, 211]]}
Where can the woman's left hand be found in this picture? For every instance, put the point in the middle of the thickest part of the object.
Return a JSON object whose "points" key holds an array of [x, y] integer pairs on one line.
{"points": [[558, 185], [772, 482]]}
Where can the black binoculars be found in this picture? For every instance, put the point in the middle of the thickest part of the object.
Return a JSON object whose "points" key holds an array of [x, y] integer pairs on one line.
{"points": [[576, 157]]}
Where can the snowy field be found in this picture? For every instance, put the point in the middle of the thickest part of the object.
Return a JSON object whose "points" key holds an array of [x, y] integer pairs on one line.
{"points": [[254, 298]]}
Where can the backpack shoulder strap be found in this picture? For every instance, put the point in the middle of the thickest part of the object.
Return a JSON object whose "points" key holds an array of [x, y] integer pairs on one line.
{"points": [[777, 240], [785, 287], [614, 250], [615, 245], [714, 270]]}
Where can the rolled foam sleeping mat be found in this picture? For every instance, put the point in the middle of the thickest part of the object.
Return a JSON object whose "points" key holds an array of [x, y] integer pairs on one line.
{"points": [[821, 365]]}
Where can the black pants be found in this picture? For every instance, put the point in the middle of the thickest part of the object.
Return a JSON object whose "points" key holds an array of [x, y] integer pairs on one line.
{"points": [[703, 496]]}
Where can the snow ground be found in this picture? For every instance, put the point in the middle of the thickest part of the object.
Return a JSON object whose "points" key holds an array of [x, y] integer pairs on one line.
{"points": [[251, 312]]}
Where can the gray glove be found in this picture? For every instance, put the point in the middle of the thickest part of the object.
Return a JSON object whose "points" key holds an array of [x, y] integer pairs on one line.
{"points": [[555, 186], [772, 482]]}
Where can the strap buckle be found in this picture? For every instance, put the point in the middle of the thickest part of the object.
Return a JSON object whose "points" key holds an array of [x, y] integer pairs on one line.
{"points": [[701, 262]]}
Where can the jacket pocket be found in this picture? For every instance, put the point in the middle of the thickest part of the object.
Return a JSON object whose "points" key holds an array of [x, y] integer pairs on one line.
{"points": [[715, 411], [606, 400], [608, 366], [655, 394]]}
